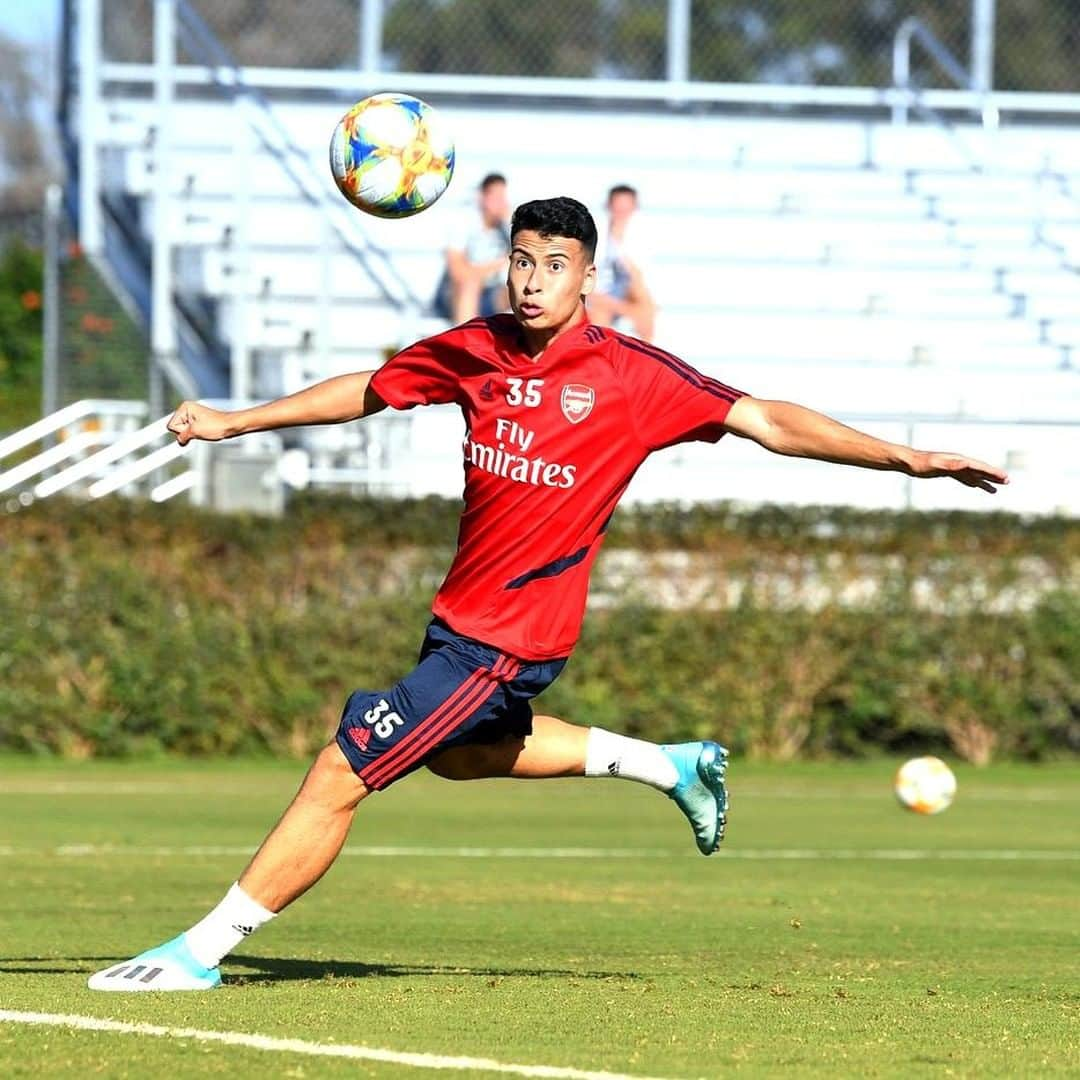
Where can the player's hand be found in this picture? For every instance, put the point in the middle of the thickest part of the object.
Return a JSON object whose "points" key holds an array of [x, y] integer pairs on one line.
{"points": [[968, 471], [194, 421]]}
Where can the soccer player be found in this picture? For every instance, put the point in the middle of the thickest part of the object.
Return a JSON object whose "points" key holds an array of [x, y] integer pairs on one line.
{"points": [[560, 415]]}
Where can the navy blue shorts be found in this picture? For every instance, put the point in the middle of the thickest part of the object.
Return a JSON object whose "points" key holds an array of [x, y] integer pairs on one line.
{"points": [[461, 692]]}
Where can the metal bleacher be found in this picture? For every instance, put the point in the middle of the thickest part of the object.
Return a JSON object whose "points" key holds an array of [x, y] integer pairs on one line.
{"points": [[916, 281]]}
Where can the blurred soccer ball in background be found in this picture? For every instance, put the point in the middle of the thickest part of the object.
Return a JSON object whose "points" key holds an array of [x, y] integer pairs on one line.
{"points": [[925, 784], [391, 155]]}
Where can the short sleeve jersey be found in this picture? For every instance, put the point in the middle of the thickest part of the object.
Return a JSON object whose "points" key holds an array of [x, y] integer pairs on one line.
{"points": [[550, 447]]}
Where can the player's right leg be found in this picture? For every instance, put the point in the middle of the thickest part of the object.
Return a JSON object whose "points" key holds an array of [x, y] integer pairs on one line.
{"points": [[692, 775], [295, 854], [382, 737]]}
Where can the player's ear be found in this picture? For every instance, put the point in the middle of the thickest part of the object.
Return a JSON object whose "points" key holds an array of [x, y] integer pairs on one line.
{"points": [[589, 281]]}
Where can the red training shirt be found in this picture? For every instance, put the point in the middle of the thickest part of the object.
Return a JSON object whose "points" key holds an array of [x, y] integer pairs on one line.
{"points": [[551, 446]]}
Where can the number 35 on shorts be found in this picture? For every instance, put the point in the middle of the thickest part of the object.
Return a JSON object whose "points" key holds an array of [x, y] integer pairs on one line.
{"points": [[382, 725], [524, 392]]}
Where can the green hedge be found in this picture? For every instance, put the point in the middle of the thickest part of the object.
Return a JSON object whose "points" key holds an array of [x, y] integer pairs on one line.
{"points": [[20, 335], [130, 629]]}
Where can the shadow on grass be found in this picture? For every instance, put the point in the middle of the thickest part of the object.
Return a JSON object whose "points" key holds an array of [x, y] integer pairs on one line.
{"points": [[271, 969], [279, 969]]}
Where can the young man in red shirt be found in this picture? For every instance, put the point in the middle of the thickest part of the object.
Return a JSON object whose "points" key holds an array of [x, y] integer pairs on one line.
{"points": [[560, 413]]}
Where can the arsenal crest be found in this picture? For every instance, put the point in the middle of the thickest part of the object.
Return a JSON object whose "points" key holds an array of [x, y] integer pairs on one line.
{"points": [[577, 402]]}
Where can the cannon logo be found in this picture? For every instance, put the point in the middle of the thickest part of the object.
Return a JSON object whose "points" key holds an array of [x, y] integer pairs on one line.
{"points": [[577, 401]]}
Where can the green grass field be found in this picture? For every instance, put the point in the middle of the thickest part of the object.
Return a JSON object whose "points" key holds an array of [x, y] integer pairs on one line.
{"points": [[835, 935]]}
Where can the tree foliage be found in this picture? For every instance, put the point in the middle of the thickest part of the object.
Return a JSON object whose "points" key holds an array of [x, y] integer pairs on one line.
{"points": [[838, 42], [20, 335], [133, 628]]}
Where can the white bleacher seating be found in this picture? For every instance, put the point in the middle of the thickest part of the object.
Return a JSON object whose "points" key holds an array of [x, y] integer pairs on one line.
{"points": [[872, 259]]}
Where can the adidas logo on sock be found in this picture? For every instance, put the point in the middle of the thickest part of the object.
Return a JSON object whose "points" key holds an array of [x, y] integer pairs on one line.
{"points": [[613, 768], [245, 930]]}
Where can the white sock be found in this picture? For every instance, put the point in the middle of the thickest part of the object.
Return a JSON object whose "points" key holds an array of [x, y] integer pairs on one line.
{"points": [[213, 938], [608, 754]]}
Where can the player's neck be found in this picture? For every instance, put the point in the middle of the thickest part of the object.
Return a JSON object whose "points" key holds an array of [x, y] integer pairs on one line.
{"points": [[537, 342]]}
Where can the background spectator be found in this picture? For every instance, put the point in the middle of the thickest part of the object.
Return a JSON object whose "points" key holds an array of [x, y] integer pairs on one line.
{"points": [[621, 291], [474, 281]]}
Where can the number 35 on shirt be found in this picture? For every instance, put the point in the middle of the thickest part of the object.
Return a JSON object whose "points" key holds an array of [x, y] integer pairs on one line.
{"points": [[524, 392]]}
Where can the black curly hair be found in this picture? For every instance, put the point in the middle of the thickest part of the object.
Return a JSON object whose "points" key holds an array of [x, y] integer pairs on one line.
{"points": [[561, 216]]}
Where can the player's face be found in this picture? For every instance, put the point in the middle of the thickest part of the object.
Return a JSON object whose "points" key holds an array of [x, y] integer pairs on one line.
{"points": [[549, 276]]}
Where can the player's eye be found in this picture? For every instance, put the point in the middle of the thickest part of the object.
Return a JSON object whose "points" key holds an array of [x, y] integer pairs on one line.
{"points": [[521, 264], [556, 266]]}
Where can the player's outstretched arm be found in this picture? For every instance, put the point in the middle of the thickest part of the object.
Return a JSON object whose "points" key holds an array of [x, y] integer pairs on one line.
{"points": [[796, 431], [334, 401]]}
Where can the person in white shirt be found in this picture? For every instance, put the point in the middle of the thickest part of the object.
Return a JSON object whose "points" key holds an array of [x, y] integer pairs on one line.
{"points": [[621, 291], [474, 280]]}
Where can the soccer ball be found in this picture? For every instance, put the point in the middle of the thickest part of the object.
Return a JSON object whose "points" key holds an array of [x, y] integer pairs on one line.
{"points": [[391, 155], [925, 785]]}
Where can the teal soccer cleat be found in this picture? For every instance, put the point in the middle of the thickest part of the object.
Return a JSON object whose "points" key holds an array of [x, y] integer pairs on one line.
{"points": [[701, 793], [168, 967]]}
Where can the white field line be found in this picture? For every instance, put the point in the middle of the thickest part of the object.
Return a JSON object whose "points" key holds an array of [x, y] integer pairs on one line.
{"points": [[76, 851], [312, 1049], [136, 787]]}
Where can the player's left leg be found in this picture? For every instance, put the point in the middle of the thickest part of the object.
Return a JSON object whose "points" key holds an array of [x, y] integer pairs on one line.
{"points": [[555, 748], [691, 774]]}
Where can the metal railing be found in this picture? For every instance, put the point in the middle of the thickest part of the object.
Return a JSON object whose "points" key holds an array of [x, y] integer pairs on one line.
{"points": [[911, 31], [312, 184], [98, 464], [95, 446], [177, 23], [106, 447], [135, 463], [341, 84], [66, 436]]}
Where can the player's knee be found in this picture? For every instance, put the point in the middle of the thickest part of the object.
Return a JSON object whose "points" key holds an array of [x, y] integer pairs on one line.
{"points": [[332, 782]]}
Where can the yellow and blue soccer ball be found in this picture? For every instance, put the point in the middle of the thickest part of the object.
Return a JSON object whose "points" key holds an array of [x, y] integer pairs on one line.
{"points": [[391, 155]]}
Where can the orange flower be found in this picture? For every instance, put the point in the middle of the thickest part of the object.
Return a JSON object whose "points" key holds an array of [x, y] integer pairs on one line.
{"points": [[31, 300], [96, 324]]}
